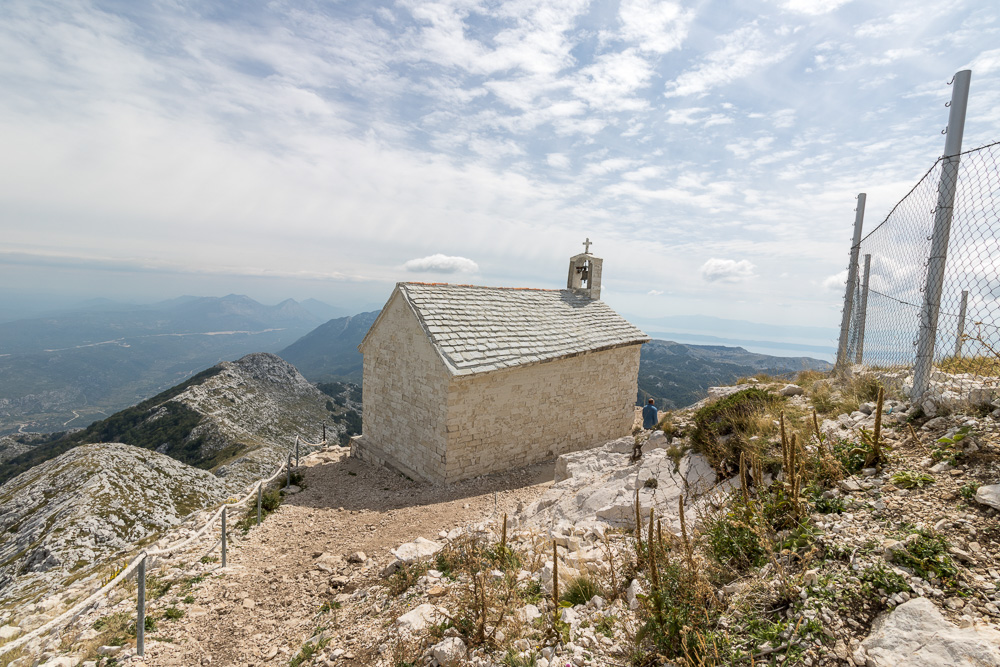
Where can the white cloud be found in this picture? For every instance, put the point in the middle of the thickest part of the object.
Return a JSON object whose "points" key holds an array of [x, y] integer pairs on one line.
{"points": [[659, 27], [836, 282], [813, 7], [655, 292], [727, 270], [611, 82], [986, 62], [439, 263], [744, 51], [744, 148], [557, 160]]}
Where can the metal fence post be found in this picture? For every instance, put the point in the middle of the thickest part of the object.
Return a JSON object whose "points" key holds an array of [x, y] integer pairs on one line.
{"points": [[288, 472], [960, 338], [223, 536], [852, 279], [140, 616], [863, 310], [942, 230], [324, 431], [296, 451], [260, 487]]}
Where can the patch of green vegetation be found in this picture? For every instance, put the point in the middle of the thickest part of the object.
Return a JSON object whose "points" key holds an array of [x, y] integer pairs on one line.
{"points": [[734, 540], [513, 658], [927, 556], [156, 588], [308, 651], [188, 599], [580, 590], [880, 579], [173, 613], [329, 605], [404, 577], [906, 479], [269, 502], [723, 429], [949, 449], [968, 491]]}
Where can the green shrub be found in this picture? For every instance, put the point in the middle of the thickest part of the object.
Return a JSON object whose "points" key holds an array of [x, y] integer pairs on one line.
{"points": [[734, 539], [722, 429]]}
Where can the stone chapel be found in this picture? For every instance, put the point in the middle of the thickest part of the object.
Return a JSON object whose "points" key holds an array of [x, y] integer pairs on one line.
{"points": [[463, 380]]}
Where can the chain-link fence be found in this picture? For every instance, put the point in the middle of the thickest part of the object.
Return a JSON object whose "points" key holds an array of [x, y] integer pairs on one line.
{"points": [[890, 300]]}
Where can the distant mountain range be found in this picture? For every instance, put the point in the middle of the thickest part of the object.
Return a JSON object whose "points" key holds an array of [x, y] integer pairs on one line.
{"points": [[330, 352], [676, 375], [68, 368]]}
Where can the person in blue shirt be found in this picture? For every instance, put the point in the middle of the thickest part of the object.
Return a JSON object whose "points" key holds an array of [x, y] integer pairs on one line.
{"points": [[650, 416]]}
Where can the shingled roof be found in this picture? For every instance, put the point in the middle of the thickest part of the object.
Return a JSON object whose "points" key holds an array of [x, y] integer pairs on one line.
{"points": [[480, 329]]}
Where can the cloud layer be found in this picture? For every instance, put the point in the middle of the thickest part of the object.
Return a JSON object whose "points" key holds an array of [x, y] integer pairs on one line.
{"points": [[712, 148]]}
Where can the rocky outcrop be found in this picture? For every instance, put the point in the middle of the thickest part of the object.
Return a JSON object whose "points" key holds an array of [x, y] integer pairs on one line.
{"points": [[260, 403], [916, 633], [598, 486], [67, 517]]}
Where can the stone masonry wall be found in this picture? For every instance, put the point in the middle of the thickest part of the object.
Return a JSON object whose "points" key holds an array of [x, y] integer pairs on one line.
{"points": [[405, 397], [517, 416]]}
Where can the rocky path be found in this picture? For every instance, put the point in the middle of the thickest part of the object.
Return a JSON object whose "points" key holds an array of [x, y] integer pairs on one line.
{"points": [[264, 605]]}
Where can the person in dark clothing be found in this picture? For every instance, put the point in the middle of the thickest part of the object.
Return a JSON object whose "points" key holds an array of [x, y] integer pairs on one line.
{"points": [[650, 416]]}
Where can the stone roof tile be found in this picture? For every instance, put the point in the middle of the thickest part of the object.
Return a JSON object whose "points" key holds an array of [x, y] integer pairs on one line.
{"points": [[479, 329]]}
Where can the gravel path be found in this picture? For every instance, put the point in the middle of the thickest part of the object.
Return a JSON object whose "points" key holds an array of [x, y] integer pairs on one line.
{"points": [[263, 606]]}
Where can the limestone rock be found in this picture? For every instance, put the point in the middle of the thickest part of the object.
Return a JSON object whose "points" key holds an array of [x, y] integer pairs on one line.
{"points": [[989, 495], [9, 632], [596, 487], [791, 390], [420, 617], [916, 633], [450, 652], [419, 549]]}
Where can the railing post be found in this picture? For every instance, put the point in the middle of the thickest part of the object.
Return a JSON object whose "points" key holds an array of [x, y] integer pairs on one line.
{"points": [[140, 616], [960, 338], [324, 431], [852, 280], [260, 486], [288, 472], [942, 230], [863, 310], [224, 536], [296, 451]]}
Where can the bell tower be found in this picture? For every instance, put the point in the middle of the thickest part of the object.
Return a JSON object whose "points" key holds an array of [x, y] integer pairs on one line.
{"points": [[585, 273]]}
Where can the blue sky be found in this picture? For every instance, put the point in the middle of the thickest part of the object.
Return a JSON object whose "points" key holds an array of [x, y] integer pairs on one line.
{"points": [[711, 150]]}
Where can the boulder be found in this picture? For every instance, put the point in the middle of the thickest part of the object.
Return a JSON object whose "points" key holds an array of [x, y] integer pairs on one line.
{"points": [[420, 617], [916, 633], [450, 652], [419, 549], [791, 390], [9, 632], [989, 495]]}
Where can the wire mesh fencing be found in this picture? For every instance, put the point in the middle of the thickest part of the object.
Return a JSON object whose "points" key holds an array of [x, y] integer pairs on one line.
{"points": [[891, 303]]}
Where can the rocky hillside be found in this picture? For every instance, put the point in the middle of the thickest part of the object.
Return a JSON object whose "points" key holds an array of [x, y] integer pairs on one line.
{"points": [[238, 419], [73, 516], [846, 540]]}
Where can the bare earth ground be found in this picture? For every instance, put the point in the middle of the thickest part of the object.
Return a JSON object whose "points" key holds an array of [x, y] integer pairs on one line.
{"points": [[263, 606]]}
